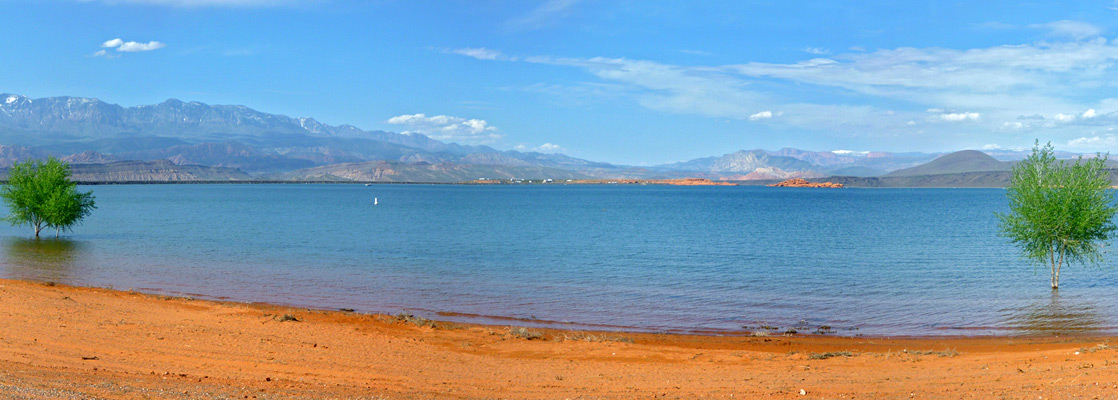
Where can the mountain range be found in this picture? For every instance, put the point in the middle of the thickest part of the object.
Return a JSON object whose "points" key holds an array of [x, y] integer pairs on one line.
{"points": [[238, 137], [172, 140]]}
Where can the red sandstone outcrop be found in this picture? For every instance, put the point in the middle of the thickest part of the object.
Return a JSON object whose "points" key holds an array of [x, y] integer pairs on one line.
{"points": [[797, 182], [688, 182]]}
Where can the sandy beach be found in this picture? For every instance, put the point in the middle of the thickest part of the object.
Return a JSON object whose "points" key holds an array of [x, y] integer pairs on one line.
{"points": [[73, 342]]}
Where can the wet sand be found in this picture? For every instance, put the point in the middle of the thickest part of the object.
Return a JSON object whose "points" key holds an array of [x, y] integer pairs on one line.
{"points": [[66, 342]]}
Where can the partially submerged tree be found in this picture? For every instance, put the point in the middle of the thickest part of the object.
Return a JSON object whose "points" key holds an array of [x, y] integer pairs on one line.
{"points": [[40, 193], [1059, 211]]}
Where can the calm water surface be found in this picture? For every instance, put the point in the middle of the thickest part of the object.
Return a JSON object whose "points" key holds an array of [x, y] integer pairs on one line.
{"points": [[657, 258]]}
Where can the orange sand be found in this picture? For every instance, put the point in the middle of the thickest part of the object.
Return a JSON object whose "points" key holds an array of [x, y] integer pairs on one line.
{"points": [[64, 342]]}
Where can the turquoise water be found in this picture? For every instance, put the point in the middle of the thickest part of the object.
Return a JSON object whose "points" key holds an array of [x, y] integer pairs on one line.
{"points": [[655, 258]]}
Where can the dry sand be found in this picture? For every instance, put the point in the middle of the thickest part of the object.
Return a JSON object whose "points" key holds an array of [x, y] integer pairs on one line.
{"points": [[66, 342]]}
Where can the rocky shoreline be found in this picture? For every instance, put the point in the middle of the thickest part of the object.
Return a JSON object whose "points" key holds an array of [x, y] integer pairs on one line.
{"points": [[676, 182], [798, 182]]}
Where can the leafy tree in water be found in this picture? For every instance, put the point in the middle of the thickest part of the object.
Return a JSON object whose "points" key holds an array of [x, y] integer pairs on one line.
{"points": [[1059, 211], [40, 193]]}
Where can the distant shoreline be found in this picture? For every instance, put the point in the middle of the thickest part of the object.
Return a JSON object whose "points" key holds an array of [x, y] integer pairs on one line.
{"points": [[758, 183], [624, 182]]}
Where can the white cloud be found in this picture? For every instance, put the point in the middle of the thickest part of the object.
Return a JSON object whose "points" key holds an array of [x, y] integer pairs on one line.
{"points": [[897, 72], [1095, 142], [128, 47], [1063, 117], [444, 127], [543, 148], [1070, 29], [548, 147], [993, 147], [112, 43], [671, 88], [481, 53], [963, 116], [816, 51], [761, 115], [132, 47], [984, 87]]}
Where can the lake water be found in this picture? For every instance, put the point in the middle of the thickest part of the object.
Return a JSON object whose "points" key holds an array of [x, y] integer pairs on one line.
{"points": [[922, 262]]}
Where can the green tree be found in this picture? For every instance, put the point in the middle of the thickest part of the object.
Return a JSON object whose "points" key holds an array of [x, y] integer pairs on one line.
{"points": [[40, 193], [1060, 212]]}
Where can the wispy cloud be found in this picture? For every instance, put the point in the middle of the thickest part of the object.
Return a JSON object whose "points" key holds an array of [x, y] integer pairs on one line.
{"points": [[543, 148], [1093, 142], [696, 52], [481, 53], [1070, 29], [1059, 84], [545, 15], [671, 88], [132, 47], [444, 127], [761, 115], [957, 117], [126, 47]]}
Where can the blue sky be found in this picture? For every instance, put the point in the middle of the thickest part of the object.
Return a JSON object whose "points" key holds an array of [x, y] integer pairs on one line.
{"points": [[632, 82]]}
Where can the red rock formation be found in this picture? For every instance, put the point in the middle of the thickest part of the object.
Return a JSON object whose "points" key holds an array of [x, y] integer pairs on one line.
{"points": [[797, 182], [679, 182]]}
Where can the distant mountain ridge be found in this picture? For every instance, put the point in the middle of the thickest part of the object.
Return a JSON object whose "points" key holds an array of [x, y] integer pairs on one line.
{"points": [[193, 133], [960, 161], [383, 171], [967, 168], [148, 171], [242, 143], [795, 163]]}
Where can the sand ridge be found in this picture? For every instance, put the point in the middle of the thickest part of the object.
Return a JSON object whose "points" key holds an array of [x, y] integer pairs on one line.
{"points": [[71, 342]]}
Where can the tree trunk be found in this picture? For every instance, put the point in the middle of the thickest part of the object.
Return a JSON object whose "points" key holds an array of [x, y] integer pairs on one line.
{"points": [[1052, 259], [1057, 265]]}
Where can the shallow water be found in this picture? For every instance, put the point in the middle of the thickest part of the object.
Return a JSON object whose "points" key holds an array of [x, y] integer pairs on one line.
{"points": [[657, 258]]}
